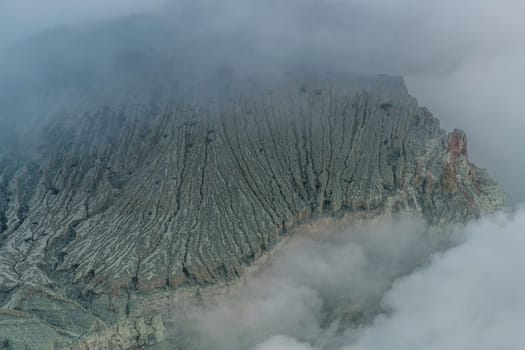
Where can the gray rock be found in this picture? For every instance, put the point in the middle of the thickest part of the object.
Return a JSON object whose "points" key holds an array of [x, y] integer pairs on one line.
{"points": [[155, 194]]}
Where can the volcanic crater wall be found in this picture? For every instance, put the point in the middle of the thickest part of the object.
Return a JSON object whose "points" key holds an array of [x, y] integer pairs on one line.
{"points": [[165, 192]]}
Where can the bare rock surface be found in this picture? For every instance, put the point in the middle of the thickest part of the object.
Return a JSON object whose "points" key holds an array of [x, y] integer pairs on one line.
{"points": [[142, 196]]}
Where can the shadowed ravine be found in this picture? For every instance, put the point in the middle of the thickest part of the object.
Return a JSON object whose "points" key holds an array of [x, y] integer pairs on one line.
{"points": [[126, 203]]}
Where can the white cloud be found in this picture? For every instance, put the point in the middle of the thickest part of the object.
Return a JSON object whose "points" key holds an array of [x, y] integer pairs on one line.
{"points": [[280, 342], [472, 297], [385, 274], [311, 288]]}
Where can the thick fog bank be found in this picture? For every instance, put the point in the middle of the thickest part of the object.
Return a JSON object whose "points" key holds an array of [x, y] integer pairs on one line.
{"points": [[382, 285], [469, 298]]}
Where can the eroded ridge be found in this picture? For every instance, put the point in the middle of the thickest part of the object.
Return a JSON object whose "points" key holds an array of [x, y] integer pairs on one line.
{"points": [[154, 193]]}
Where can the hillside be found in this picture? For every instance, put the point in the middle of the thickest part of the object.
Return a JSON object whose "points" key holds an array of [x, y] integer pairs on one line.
{"points": [[148, 191]]}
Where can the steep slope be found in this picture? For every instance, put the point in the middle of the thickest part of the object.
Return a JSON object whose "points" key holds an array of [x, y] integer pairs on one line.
{"points": [[158, 193]]}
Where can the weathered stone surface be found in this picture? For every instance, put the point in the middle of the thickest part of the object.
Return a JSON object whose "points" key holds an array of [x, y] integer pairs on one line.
{"points": [[161, 193]]}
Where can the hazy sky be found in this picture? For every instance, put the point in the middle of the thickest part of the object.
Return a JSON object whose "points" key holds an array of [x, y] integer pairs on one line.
{"points": [[22, 18]]}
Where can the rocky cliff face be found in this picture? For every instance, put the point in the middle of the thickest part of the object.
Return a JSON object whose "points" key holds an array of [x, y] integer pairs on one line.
{"points": [[127, 202]]}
